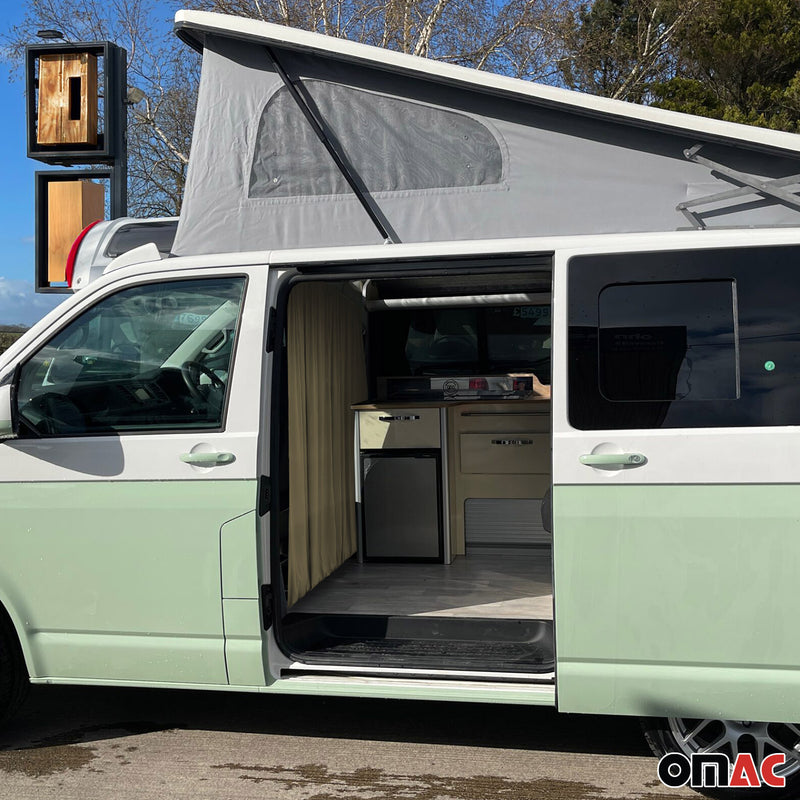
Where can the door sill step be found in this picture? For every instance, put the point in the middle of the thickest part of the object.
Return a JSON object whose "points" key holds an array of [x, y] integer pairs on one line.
{"points": [[299, 669]]}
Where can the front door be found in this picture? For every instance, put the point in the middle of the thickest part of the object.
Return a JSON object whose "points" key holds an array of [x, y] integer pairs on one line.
{"points": [[677, 483], [138, 427]]}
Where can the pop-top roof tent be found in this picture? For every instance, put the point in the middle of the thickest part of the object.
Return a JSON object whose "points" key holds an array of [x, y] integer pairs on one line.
{"points": [[302, 140]]}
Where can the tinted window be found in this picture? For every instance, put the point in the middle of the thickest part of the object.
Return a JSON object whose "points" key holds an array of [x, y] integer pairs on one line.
{"points": [[442, 340], [147, 358], [668, 341], [519, 337], [461, 341], [696, 339], [162, 234]]}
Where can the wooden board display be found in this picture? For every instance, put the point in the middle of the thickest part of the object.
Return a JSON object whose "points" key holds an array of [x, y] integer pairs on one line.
{"points": [[71, 206], [67, 99]]}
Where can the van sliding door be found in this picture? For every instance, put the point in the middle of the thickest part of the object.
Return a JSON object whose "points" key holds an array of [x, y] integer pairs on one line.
{"points": [[676, 483]]}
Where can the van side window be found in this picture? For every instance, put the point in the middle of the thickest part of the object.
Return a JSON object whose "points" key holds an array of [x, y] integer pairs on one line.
{"points": [[148, 358], [668, 341], [700, 338]]}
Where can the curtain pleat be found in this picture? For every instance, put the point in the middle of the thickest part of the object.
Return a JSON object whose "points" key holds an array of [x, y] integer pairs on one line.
{"points": [[327, 374]]}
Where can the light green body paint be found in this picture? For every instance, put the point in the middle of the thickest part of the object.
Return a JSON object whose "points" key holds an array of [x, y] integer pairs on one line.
{"points": [[244, 629], [156, 584], [678, 600], [119, 580]]}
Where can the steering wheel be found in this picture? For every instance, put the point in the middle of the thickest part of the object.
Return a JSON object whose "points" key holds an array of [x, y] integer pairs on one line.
{"points": [[191, 372], [453, 347]]}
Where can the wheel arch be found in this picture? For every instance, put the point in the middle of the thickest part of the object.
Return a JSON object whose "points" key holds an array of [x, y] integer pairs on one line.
{"points": [[10, 616]]}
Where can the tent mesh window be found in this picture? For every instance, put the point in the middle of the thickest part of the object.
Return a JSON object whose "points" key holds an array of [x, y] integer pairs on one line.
{"points": [[393, 144]]}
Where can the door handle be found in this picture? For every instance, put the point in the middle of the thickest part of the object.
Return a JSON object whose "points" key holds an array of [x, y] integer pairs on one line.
{"points": [[613, 460], [208, 459]]}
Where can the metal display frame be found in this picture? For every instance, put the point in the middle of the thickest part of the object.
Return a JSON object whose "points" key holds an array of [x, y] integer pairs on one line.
{"points": [[43, 179], [110, 154]]}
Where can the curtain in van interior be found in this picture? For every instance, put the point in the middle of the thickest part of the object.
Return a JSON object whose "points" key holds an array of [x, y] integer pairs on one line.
{"points": [[327, 373]]}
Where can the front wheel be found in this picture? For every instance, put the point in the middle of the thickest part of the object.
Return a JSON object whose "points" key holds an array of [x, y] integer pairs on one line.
{"points": [[732, 738], [13, 675]]}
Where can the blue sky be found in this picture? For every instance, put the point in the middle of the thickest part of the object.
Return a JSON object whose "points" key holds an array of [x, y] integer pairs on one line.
{"points": [[18, 302]]}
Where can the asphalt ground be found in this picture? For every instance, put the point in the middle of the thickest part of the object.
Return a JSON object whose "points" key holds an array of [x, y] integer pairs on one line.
{"points": [[85, 743]]}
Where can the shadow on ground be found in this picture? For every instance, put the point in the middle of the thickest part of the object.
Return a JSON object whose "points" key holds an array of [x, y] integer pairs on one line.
{"points": [[55, 716]]}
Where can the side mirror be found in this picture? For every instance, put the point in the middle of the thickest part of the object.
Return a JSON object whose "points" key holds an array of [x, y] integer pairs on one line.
{"points": [[8, 426]]}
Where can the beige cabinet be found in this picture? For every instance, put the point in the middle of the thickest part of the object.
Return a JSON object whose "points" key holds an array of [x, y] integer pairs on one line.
{"points": [[399, 428], [496, 452], [505, 453]]}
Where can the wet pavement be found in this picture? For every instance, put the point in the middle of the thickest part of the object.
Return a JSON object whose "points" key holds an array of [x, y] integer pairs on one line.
{"points": [[87, 743]]}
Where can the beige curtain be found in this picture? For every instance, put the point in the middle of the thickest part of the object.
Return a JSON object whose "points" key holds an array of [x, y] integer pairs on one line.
{"points": [[327, 374]]}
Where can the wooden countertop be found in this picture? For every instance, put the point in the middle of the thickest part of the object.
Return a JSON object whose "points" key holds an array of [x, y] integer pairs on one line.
{"points": [[494, 401]]}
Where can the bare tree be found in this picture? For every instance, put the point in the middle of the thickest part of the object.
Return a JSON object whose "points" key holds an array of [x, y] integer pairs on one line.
{"points": [[520, 38]]}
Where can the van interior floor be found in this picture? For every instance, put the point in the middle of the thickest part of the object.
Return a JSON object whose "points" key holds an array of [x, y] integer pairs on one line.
{"points": [[489, 612], [512, 585]]}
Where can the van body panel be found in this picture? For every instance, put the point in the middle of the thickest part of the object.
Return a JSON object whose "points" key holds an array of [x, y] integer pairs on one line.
{"points": [[119, 579], [243, 637], [239, 558], [240, 604], [690, 614], [131, 457]]}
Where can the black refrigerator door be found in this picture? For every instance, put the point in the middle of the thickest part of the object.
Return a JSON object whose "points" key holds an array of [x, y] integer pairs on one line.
{"points": [[402, 507]]}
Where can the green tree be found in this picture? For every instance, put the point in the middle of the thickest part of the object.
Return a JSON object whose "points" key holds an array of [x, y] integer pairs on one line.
{"points": [[740, 62], [619, 48]]}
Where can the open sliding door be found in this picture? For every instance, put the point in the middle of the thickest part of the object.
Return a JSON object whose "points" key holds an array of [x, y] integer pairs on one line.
{"points": [[676, 524]]}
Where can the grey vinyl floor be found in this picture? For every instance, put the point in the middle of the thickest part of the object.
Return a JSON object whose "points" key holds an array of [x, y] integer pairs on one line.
{"points": [[514, 585]]}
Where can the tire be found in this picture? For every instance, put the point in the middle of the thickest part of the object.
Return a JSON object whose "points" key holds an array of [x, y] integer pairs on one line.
{"points": [[14, 682], [731, 737]]}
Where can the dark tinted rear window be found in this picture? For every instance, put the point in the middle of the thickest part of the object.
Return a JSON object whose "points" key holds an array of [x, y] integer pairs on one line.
{"points": [[128, 237], [707, 338]]}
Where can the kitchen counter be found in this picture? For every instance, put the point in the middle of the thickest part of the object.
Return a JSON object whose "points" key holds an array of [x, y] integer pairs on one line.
{"points": [[525, 403]]}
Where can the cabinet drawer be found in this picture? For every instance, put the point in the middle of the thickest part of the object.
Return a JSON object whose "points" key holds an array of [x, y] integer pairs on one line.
{"points": [[497, 453], [399, 428]]}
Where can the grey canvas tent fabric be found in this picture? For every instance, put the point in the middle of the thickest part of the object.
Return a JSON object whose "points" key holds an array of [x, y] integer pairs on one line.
{"points": [[440, 161]]}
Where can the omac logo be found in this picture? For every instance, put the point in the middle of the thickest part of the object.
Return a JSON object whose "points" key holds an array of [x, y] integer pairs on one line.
{"points": [[714, 770]]}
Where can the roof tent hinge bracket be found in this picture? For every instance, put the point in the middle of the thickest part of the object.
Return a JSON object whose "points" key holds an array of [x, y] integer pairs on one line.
{"points": [[306, 104], [749, 184]]}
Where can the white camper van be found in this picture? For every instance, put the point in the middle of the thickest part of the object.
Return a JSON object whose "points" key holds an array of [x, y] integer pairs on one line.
{"points": [[338, 470]]}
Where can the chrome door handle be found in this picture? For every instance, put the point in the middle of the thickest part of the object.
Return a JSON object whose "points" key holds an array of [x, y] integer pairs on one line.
{"points": [[613, 460], [208, 459]]}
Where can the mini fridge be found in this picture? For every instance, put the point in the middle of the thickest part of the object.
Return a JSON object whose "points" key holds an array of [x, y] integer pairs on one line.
{"points": [[401, 505]]}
